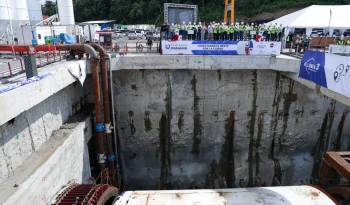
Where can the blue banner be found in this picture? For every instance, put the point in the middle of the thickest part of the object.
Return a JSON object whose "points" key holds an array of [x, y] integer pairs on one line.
{"points": [[204, 47], [313, 68]]}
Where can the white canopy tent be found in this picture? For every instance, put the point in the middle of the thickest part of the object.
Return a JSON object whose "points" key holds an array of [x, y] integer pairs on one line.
{"points": [[317, 16]]}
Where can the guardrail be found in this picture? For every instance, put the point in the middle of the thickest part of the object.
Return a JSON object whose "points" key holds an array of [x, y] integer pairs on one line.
{"points": [[11, 67], [44, 55], [140, 46]]}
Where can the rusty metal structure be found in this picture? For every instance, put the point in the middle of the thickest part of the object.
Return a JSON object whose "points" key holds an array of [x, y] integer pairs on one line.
{"points": [[87, 194], [99, 66], [335, 175]]}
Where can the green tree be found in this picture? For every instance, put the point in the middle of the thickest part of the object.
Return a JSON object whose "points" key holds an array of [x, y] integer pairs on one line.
{"points": [[49, 8], [151, 11]]}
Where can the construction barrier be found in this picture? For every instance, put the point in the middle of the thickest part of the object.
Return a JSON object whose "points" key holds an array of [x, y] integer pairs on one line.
{"points": [[327, 70], [221, 47]]}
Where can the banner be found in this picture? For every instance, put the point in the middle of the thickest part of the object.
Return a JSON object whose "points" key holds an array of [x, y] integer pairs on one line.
{"points": [[338, 74], [339, 49], [220, 48], [327, 70], [313, 67]]}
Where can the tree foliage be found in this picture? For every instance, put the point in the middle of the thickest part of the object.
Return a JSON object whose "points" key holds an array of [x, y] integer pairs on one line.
{"points": [[49, 8], [151, 11]]}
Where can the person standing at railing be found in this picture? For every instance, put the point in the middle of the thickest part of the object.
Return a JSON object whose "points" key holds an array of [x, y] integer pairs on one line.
{"points": [[199, 31], [240, 31], [236, 32], [226, 31], [216, 31], [204, 32], [348, 41], [210, 32], [231, 31], [280, 32], [190, 31], [341, 41]]}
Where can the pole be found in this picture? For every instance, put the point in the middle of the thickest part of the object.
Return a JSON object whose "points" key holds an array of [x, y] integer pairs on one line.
{"points": [[225, 14], [329, 29], [232, 11]]}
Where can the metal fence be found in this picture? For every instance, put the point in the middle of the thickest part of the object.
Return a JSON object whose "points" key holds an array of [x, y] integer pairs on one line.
{"points": [[12, 66]]}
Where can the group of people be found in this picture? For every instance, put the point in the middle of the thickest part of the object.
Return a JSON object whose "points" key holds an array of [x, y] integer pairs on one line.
{"points": [[221, 31]]}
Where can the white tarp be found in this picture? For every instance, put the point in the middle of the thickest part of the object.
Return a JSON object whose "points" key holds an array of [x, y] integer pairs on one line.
{"points": [[317, 16]]}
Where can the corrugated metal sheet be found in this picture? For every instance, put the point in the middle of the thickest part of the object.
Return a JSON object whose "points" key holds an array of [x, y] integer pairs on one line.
{"points": [[294, 195]]}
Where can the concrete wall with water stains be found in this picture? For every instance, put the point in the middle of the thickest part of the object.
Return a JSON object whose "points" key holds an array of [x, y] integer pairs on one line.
{"points": [[182, 129]]}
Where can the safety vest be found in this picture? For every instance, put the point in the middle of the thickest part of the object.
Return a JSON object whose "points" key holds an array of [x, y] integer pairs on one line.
{"points": [[348, 41], [216, 29], [341, 42], [231, 29]]}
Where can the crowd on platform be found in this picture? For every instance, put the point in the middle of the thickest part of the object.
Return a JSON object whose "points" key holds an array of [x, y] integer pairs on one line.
{"points": [[221, 31]]}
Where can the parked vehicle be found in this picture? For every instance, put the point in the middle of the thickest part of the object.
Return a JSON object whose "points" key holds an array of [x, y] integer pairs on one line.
{"points": [[156, 36], [149, 35], [132, 35], [118, 35], [139, 34]]}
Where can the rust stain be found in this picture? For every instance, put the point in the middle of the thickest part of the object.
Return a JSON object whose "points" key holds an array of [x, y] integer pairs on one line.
{"points": [[147, 122], [131, 123], [219, 75], [338, 140], [180, 122], [165, 138], [289, 98], [257, 147], [252, 115], [275, 109], [277, 178], [322, 143], [227, 162], [197, 123], [164, 147]]}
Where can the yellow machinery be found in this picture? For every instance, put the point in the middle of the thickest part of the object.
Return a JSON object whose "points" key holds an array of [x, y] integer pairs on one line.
{"points": [[229, 8]]}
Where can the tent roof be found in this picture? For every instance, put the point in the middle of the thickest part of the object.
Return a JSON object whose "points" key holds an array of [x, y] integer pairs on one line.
{"points": [[317, 16]]}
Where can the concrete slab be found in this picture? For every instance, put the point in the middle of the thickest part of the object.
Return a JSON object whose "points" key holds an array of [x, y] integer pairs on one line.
{"points": [[23, 98], [191, 62], [62, 159]]}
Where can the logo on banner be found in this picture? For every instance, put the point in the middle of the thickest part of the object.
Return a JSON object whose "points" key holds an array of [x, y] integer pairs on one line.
{"points": [[312, 66], [340, 72], [272, 45], [168, 46]]}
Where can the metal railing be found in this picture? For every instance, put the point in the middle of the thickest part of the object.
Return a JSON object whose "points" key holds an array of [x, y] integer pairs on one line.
{"points": [[10, 67]]}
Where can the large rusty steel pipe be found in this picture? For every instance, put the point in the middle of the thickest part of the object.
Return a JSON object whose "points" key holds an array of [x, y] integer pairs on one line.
{"points": [[111, 157], [95, 69], [81, 47]]}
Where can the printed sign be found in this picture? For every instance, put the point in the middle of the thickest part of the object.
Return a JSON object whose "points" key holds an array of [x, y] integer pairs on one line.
{"points": [[312, 68], [338, 74], [220, 48], [327, 70]]}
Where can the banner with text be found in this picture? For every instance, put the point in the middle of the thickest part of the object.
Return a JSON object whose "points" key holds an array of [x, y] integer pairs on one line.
{"points": [[327, 70], [220, 48]]}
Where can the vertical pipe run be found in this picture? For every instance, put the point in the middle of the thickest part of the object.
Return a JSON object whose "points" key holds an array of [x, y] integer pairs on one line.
{"points": [[101, 156], [111, 158]]}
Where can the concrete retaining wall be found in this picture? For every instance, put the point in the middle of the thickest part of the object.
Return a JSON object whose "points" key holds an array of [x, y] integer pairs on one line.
{"points": [[216, 129], [24, 134], [62, 159]]}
